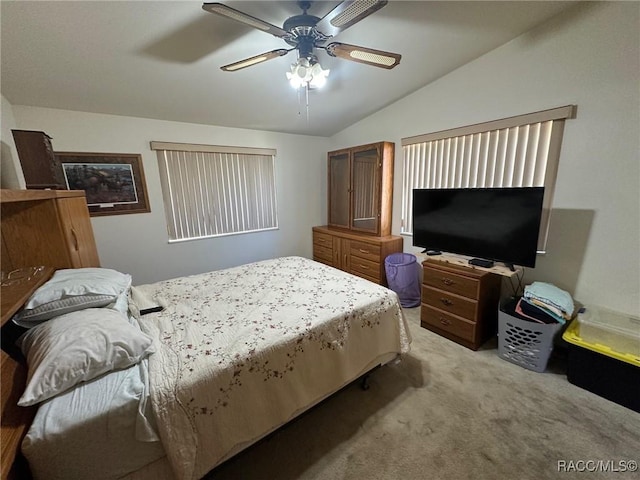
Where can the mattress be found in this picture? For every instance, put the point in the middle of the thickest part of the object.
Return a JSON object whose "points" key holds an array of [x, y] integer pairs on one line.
{"points": [[243, 350]]}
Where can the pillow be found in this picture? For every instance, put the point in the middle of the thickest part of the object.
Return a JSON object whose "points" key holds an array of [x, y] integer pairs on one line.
{"points": [[78, 347], [121, 302], [73, 289], [32, 317]]}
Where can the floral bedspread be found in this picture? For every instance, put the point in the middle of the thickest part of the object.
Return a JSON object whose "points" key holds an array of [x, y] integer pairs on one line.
{"points": [[241, 351]]}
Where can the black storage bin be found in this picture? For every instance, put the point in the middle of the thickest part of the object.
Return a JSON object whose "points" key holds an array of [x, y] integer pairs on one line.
{"points": [[592, 367], [612, 379]]}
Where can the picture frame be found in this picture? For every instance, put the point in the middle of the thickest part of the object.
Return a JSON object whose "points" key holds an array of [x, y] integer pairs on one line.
{"points": [[114, 183]]}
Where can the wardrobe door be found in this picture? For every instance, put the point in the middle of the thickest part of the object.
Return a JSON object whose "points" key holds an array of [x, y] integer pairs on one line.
{"points": [[339, 189], [81, 244], [365, 179]]}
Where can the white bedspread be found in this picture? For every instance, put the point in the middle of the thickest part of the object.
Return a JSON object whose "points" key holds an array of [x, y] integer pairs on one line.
{"points": [[243, 350]]}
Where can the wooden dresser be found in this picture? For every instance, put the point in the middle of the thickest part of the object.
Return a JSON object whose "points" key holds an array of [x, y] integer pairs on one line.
{"points": [[361, 255], [460, 303]]}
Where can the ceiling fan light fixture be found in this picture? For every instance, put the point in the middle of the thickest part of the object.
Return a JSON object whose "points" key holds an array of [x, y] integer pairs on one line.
{"points": [[307, 72]]}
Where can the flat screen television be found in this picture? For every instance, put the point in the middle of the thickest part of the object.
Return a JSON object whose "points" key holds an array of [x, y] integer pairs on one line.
{"points": [[495, 224]]}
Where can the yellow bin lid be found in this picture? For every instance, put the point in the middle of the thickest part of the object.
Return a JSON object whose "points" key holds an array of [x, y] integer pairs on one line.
{"points": [[572, 336]]}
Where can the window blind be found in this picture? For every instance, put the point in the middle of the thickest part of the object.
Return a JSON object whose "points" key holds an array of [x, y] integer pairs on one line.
{"points": [[520, 151], [211, 191]]}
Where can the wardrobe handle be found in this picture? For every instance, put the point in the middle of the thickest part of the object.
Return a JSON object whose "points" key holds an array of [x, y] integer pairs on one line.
{"points": [[446, 302], [447, 281], [75, 239]]}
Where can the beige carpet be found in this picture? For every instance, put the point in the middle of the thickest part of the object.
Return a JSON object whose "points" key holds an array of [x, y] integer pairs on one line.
{"points": [[446, 412]]}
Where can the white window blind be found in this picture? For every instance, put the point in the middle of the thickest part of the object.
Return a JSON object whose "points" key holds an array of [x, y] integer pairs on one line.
{"points": [[211, 191], [520, 151]]}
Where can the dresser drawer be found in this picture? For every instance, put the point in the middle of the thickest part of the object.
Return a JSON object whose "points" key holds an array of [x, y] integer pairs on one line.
{"points": [[447, 322], [366, 268], [322, 239], [458, 284], [365, 250], [451, 303], [373, 279], [323, 253]]}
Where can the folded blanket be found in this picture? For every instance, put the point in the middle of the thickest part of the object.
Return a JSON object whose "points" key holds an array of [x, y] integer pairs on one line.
{"points": [[551, 295], [542, 314], [551, 308]]}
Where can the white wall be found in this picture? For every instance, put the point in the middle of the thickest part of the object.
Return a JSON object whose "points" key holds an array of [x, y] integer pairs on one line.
{"points": [[590, 57], [137, 243], [10, 170]]}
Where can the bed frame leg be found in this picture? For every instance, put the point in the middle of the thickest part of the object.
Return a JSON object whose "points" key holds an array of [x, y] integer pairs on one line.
{"points": [[364, 381]]}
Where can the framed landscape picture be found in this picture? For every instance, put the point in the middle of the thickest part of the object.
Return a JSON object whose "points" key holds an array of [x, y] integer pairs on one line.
{"points": [[113, 182]]}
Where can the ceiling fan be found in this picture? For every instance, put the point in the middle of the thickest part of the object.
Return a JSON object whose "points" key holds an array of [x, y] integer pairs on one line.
{"points": [[306, 33]]}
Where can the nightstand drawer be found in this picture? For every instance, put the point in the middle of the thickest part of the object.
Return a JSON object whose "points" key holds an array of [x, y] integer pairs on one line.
{"points": [[451, 303], [364, 267], [365, 250], [452, 324], [458, 284]]}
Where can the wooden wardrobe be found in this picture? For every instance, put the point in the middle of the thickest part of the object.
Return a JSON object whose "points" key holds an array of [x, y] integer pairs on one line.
{"points": [[357, 237]]}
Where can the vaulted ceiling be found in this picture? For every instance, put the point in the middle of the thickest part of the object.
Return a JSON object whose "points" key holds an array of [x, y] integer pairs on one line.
{"points": [[162, 59]]}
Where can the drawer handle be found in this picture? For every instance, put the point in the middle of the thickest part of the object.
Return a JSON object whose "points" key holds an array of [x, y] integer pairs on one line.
{"points": [[363, 251], [447, 281], [444, 321], [446, 302], [364, 267]]}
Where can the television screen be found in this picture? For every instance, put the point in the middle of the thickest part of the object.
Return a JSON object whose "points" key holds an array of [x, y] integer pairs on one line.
{"points": [[500, 224]]}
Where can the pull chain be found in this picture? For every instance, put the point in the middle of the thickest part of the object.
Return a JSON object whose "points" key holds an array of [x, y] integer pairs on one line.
{"points": [[306, 88]]}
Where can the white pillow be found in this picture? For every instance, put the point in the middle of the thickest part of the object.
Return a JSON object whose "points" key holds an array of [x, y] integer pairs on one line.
{"points": [[78, 347], [73, 289], [35, 316], [80, 281]]}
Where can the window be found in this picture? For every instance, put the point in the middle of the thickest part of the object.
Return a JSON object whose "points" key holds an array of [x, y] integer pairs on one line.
{"points": [[520, 151], [211, 191]]}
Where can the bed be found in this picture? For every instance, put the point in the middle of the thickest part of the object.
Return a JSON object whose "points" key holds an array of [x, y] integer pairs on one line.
{"points": [[233, 355]]}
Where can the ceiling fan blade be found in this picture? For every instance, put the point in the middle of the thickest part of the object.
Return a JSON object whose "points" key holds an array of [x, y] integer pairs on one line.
{"points": [[377, 58], [346, 14], [247, 62], [238, 16]]}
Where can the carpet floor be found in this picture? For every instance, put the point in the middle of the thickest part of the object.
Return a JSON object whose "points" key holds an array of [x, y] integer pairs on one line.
{"points": [[446, 412]]}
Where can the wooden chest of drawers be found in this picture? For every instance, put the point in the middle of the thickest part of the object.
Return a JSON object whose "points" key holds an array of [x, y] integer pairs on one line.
{"points": [[361, 255], [460, 303]]}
